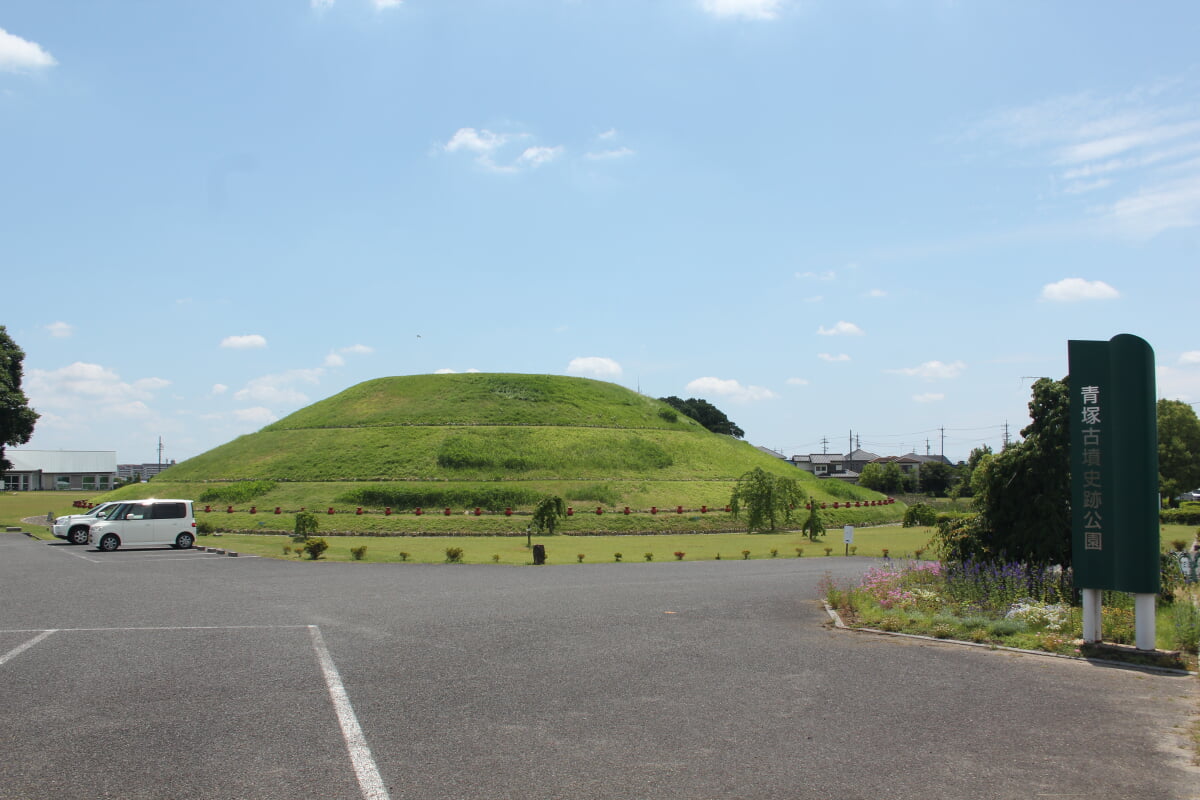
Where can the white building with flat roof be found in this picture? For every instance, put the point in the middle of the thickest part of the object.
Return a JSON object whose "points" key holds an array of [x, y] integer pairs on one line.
{"points": [[63, 470]]}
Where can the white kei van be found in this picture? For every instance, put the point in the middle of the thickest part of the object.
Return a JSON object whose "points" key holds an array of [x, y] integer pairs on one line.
{"points": [[143, 523]]}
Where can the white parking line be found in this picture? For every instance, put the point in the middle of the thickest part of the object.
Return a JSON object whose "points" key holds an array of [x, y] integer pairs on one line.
{"points": [[369, 779], [365, 770], [16, 651]]}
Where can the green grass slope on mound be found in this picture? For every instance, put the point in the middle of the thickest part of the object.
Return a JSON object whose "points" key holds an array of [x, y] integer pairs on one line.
{"points": [[487, 399], [492, 441]]}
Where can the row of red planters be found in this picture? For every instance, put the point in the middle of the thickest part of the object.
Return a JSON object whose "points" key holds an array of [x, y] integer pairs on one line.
{"points": [[508, 512]]}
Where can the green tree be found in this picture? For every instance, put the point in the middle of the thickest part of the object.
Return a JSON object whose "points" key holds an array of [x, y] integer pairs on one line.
{"points": [[706, 414], [1178, 449], [887, 478], [813, 525], [16, 417], [965, 471], [1023, 494], [546, 515], [306, 526], [767, 499], [936, 478]]}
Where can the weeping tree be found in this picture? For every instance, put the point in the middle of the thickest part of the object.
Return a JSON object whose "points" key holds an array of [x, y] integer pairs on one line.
{"points": [[767, 499], [546, 515], [813, 525]]}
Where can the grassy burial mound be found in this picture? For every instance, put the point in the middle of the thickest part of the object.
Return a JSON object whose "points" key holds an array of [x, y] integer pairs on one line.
{"points": [[492, 441]]}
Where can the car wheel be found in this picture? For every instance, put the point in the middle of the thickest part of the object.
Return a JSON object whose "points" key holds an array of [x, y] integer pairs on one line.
{"points": [[184, 540], [77, 535], [109, 542]]}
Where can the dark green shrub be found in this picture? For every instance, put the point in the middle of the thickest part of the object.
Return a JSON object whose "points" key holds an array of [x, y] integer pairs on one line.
{"points": [[357, 553], [403, 555], [668, 414], [454, 555], [1180, 516], [315, 547], [920, 514], [649, 556], [204, 527]]}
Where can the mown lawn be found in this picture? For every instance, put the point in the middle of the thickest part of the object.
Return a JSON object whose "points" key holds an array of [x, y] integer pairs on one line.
{"points": [[561, 549]]}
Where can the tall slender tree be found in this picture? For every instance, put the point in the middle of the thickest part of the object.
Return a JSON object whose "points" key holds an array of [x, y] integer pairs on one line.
{"points": [[16, 417]]}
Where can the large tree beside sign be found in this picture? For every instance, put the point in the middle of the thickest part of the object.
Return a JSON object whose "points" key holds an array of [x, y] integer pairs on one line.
{"points": [[1178, 448], [1023, 493], [16, 417]]}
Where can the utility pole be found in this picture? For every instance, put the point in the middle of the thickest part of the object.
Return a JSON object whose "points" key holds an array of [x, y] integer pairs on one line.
{"points": [[851, 450], [943, 430], [824, 445], [160, 449], [1005, 434]]}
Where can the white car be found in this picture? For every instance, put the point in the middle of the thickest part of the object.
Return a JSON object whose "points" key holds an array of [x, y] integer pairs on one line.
{"points": [[74, 527], [140, 523]]}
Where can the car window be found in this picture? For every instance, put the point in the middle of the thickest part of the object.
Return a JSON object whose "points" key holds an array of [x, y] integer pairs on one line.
{"points": [[169, 511], [116, 512], [137, 511]]}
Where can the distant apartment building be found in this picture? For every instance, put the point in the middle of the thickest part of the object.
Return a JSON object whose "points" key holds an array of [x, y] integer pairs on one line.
{"points": [[145, 472], [60, 470]]}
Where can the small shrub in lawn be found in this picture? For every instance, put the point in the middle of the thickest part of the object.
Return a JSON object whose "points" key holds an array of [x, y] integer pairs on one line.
{"points": [[718, 556], [580, 557], [679, 554], [454, 555], [774, 552], [799, 552], [649, 556], [315, 547], [1178, 544], [853, 549], [829, 551], [920, 551], [885, 552], [403, 555], [495, 558], [942, 631], [892, 623], [204, 527], [287, 549], [616, 556], [745, 555], [357, 553]]}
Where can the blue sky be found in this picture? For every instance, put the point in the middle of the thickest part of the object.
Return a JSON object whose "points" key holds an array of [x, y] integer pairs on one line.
{"points": [[822, 217]]}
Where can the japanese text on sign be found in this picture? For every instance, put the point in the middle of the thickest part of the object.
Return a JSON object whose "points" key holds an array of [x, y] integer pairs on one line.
{"points": [[1093, 495]]}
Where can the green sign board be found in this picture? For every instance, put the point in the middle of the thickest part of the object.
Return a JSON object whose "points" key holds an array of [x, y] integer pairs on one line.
{"points": [[1114, 465]]}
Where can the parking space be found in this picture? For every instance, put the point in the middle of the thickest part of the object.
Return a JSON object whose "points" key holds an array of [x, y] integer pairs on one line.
{"points": [[215, 712]]}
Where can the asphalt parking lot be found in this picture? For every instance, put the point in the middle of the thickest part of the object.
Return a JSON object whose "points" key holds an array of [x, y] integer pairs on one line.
{"points": [[168, 674]]}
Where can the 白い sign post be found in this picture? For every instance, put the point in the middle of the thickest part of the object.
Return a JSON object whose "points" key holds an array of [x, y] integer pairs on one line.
{"points": [[1114, 478]]}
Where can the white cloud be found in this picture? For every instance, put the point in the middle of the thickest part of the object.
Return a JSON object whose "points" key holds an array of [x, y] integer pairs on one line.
{"points": [[219, 388], [60, 330], [1190, 357], [536, 156], [929, 397], [1132, 154], [797, 382], [730, 389], [249, 342], [877, 293], [21, 55], [827, 275], [258, 415], [321, 5], [382, 4], [280, 388], [594, 366], [841, 329], [1070, 290], [609, 155], [357, 349], [748, 9], [832, 359], [1179, 384], [448, 371], [933, 370], [78, 399], [334, 360]]}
